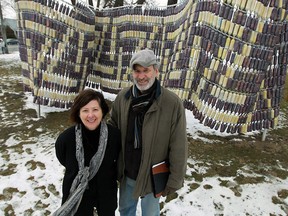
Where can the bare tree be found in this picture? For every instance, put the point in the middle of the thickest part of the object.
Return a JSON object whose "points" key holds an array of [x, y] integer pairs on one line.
{"points": [[141, 2], [8, 5], [3, 32], [112, 3], [118, 3], [90, 3], [172, 2]]}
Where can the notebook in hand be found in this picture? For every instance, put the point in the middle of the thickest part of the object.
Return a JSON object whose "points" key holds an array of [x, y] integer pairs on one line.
{"points": [[160, 175]]}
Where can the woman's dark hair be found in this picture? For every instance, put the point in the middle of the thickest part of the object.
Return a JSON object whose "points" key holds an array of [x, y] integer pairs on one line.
{"points": [[83, 98]]}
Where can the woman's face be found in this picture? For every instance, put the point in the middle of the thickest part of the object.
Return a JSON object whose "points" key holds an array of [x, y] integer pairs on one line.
{"points": [[91, 115]]}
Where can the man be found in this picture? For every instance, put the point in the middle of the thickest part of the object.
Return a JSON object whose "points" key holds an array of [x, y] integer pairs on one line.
{"points": [[153, 129]]}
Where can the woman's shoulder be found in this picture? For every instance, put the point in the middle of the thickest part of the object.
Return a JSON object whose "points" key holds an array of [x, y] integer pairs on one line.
{"points": [[68, 132], [112, 129], [114, 137]]}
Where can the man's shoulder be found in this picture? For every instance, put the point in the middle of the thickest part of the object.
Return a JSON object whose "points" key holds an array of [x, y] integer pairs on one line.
{"points": [[170, 95], [122, 93], [124, 90]]}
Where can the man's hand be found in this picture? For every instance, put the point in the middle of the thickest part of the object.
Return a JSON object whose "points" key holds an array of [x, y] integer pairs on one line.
{"points": [[168, 190]]}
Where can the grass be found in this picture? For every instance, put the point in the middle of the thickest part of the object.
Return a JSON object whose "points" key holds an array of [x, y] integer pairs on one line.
{"points": [[247, 160]]}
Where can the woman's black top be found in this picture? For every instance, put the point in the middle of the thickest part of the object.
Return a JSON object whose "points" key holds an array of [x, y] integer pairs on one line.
{"points": [[102, 190]]}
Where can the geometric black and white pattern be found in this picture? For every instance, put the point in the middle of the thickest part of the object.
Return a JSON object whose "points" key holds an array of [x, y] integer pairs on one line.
{"points": [[227, 60]]}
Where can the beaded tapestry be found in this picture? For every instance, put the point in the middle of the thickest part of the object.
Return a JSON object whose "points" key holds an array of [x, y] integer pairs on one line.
{"points": [[227, 60]]}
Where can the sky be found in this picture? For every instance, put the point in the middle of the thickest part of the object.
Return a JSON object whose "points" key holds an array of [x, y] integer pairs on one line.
{"points": [[34, 184], [7, 10]]}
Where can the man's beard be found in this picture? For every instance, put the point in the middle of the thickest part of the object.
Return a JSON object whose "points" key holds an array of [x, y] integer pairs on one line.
{"points": [[147, 86]]}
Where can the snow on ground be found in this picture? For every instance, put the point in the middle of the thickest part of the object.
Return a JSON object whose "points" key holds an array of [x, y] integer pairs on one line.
{"points": [[37, 178]]}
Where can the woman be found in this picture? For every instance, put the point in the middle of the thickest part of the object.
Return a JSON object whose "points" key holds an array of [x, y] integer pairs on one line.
{"points": [[89, 151]]}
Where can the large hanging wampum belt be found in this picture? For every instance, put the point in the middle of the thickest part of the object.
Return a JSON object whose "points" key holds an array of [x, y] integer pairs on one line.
{"points": [[225, 59]]}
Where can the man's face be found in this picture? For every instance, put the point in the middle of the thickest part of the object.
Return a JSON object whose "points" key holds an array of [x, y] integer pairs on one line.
{"points": [[144, 77]]}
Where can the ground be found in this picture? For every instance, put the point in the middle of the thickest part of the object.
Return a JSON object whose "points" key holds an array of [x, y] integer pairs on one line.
{"points": [[221, 156]]}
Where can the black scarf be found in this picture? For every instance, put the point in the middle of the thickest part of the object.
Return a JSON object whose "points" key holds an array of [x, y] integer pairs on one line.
{"points": [[141, 101]]}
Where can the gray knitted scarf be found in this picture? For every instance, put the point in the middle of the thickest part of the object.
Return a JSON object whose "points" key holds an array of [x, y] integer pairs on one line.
{"points": [[85, 174]]}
